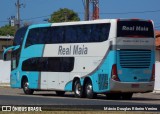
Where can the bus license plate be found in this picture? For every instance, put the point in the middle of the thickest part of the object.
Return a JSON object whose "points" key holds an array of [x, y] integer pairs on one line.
{"points": [[135, 85]]}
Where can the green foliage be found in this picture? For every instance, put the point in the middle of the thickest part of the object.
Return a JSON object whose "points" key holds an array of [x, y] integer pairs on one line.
{"points": [[7, 30], [63, 15]]}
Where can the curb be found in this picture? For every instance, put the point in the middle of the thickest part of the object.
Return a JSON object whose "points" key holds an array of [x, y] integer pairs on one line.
{"points": [[4, 85], [156, 91]]}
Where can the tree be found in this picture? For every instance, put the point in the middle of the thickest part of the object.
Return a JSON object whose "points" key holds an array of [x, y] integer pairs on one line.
{"points": [[63, 15], [7, 30]]}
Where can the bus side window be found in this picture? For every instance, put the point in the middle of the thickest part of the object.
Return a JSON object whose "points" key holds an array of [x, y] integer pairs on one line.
{"points": [[95, 33], [44, 36], [86, 33], [60, 35], [70, 34], [32, 37], [105, 29], [80, 35], [54, 35]]}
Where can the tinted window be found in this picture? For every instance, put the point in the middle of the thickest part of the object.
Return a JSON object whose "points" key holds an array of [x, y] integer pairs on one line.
{"points": [[57, 34], [19, 36], [38, 36], [18, 40], [69, 34], [15, 58], [49, 64], [135, 29]]}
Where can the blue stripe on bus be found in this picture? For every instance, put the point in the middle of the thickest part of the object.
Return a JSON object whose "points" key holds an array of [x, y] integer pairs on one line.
{"points": [[33, 51], [34, 77], [103, 70]]}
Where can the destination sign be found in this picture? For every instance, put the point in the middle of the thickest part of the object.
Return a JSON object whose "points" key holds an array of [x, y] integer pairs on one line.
{"points": [[135, 28], [139, 29]]}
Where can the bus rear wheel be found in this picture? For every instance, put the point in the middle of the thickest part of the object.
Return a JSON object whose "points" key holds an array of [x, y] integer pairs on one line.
{"points": [[89, 90], [78, 91], [26, 88]]}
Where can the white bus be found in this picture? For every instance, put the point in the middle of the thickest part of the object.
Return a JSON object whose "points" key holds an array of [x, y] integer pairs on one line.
{"points": [[110, 56]]}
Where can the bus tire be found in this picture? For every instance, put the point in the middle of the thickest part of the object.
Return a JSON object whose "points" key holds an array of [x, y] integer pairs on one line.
{"points": [[78, 90], [127, 96], [60, 93], [89, 90], [26, 87]]}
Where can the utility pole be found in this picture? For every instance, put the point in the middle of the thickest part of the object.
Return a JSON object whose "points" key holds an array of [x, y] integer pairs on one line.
{"points": [[95, 9], [12, 21], [18, 6], [95, 14], [86, 10]]}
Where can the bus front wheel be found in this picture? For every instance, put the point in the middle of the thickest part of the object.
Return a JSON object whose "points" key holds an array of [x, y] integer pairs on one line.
{"points": [[78, 92], [26, 88]]}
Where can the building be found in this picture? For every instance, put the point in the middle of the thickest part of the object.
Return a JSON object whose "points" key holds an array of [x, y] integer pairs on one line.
{"points": [[157, 34], [5, 41], [157, 64]]}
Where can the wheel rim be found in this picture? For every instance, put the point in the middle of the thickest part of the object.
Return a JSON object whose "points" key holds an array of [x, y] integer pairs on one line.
{"points": [[89, 89], [78, 89], [26, 86]]}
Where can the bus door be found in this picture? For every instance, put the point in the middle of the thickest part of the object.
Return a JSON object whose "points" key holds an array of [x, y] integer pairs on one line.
{"points": [[15, 74]]}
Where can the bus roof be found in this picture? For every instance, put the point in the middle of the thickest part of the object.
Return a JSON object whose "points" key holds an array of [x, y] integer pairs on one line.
{"points": [[81, 22], [71, 23]]}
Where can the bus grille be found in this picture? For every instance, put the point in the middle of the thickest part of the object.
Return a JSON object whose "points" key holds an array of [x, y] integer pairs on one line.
{"points": [[135, 58], [103, 81]]}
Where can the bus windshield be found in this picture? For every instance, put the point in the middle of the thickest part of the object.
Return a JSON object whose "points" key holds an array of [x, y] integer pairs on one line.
{"points": [[20, 36], [135, 28]]}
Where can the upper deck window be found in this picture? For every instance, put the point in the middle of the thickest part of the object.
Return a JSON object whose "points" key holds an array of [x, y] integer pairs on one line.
{"points": [[19, 36], [86, 33]]}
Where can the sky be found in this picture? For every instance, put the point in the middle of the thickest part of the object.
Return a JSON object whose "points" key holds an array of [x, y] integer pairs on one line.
{"points": [[36, 11]]}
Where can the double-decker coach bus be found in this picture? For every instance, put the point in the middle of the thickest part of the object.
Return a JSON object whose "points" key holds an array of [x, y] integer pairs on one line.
{"points": [[115, 57]]}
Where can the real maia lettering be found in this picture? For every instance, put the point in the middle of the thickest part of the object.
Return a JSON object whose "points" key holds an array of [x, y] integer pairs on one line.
{"points": [[73, 50], [135, 28]]}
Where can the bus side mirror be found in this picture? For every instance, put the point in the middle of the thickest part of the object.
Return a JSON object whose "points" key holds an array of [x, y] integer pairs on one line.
{"points": [[8, 49], [16, 47], [4, 56]]}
